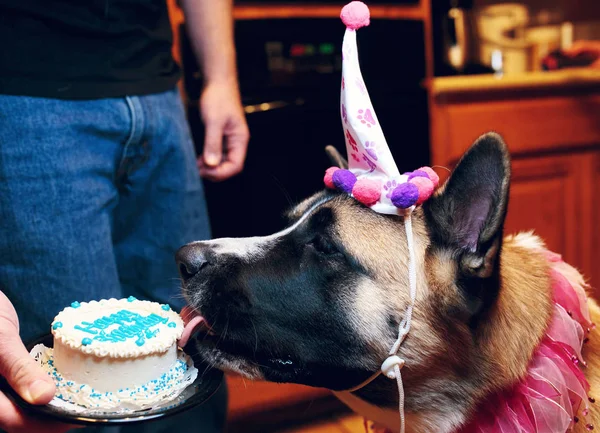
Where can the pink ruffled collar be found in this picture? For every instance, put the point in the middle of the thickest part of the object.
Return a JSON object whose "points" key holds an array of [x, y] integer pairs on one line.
{"points": [[555, 390], [553, 396]]}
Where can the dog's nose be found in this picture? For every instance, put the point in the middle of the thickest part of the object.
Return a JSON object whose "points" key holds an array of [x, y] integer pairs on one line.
{"points": [[190, 259]]}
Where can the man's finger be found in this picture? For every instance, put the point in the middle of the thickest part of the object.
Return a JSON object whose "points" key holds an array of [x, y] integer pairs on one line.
{"points": [[220, 173], [213, 143], [19, 368]]}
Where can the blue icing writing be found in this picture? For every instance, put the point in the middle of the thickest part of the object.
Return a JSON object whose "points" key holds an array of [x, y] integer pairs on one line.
{"points": [[172, 325], [57, 325], [131, 299], [86, 341], [129, 325], [75, 304], [87, 327], [166, 307], [140, 341]]}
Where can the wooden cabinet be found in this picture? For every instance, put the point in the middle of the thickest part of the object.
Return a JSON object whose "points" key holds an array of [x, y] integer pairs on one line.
{"points": [[544, 193], [551, 195], [553, 134], [594, 222]]}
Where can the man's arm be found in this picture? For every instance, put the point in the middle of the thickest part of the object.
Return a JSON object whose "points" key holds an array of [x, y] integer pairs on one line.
{"points": [[210, 26]]}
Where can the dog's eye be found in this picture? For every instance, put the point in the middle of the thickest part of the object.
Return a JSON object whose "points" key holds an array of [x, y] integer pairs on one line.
{"points": [[323, 246]]}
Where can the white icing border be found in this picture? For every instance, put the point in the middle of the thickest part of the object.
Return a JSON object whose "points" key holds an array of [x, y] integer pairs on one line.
{"points": [[81, 402], [160, 344]]}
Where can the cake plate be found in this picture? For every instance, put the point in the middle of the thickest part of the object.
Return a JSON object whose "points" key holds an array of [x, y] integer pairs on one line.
{"points": [[198, 392]]}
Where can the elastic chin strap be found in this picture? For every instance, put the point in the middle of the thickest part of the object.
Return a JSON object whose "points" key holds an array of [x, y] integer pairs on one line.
{"points": [[393, 364]]}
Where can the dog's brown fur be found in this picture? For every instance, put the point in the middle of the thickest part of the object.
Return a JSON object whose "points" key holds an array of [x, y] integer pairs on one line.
{"points": [[514, 327]]}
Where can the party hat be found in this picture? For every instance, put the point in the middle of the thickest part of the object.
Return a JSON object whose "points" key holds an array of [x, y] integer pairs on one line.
{"points": [[372, 176]]}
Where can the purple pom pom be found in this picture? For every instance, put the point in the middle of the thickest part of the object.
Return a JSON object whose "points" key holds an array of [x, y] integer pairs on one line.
{"points": [[418, 173], [344, 180], [405, 195]]}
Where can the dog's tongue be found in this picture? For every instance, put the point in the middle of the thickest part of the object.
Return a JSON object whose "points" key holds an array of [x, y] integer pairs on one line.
{"points": [[192, 321]]}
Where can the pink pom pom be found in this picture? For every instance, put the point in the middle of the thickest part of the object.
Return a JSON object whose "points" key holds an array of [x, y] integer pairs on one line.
{"points": [[355, 15], [432, 176], [367, 191], [328, 179], [425, 187]]}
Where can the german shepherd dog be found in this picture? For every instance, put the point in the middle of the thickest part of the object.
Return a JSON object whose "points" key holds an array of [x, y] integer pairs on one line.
{"points": [[319, 303]]}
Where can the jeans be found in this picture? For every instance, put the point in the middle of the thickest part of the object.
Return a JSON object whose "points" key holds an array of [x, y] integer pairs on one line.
{"points": [[96, 196]]}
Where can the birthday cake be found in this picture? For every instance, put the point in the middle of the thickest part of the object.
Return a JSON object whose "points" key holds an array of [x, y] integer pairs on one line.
{"points": [[117, 353]]}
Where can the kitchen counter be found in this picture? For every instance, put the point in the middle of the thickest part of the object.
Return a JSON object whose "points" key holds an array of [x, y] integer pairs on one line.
{"points": [[563, 80]]}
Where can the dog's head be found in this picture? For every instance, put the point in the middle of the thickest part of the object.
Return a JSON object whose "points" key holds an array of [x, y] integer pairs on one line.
{"points": [[320, 302]]}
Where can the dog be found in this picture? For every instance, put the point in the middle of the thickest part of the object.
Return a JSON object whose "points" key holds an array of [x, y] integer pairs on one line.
{"points": [[320, 302]]}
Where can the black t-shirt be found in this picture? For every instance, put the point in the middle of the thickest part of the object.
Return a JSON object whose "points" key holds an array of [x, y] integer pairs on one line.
{"points": [[85, 49]]}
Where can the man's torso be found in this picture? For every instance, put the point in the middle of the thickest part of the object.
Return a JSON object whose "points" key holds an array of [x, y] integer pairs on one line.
{"points": [[85, 49]]}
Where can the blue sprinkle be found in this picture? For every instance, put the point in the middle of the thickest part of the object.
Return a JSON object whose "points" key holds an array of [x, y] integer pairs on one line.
{"points": [[131, 299], [172, 325], [75, 304], [57, 325], [166, 307], [86, 341]]}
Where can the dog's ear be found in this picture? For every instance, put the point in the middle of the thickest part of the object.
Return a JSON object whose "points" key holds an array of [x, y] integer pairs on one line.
{"points": [[336, 157], [467, 214]]}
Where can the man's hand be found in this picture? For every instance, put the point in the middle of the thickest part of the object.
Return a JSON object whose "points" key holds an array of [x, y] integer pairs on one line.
{"points": [[226, 137], [24, 376]]}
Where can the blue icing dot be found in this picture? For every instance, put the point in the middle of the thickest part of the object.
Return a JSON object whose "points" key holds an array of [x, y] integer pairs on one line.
{"points": [[86, 341], [140, 341], [131, 299], [57, 325], [166, 307], [172, 325], [75, 304]]}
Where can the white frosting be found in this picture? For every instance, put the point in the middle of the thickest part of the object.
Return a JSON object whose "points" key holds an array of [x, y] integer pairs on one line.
{"points": [[124, 328], [111, 374], [74, 396], [111, 353]]}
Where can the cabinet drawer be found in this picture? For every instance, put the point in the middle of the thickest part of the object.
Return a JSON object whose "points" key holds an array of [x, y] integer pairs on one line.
{"points": [[527, 125]]}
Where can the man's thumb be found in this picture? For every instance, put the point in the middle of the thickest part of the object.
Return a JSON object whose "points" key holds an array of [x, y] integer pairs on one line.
{"points": [[20, 370]]}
